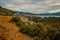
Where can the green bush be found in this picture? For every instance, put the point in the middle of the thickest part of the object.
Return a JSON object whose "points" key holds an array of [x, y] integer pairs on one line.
{"points": [[53, 34], [19, 23], [15, 19], [30, 31], [24, 29], [35, 31]]}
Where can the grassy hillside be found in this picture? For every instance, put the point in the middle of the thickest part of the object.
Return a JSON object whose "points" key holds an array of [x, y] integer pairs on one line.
{"points": [[4, 11], [8, 30], [13, 27]]}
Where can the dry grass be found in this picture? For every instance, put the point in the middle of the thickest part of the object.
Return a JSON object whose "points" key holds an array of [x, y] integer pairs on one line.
{"points": [[9, 31]]}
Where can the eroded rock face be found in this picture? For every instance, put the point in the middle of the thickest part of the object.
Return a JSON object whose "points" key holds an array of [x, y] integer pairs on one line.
{"points": [[9, 31]]}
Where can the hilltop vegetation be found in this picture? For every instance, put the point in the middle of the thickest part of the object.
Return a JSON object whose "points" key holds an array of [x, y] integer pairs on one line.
{"points": [[4, 11], [13, 27]]}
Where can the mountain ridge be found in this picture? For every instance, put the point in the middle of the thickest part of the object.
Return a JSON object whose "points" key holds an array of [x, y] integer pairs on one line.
{"points": [[11, 12]]}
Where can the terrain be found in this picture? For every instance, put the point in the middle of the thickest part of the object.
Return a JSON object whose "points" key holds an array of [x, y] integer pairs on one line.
{"points": [[27, 27], [8, 30]]}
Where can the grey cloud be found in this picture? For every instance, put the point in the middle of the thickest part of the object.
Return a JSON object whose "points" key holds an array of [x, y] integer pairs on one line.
{"points": [[45, 4], [34, 1], [54, 7], [4, 2]]}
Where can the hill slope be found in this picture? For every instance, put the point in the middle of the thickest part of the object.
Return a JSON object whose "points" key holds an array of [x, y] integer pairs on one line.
{"points": [[4, 11], [9, 31]]}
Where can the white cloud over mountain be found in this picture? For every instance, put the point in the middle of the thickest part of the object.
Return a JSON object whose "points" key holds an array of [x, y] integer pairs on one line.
{"points": [[38, 6]]}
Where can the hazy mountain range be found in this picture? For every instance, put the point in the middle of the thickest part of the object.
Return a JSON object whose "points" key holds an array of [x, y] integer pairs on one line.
{"points": [[7, 11], [41, 14], [55, 14]]}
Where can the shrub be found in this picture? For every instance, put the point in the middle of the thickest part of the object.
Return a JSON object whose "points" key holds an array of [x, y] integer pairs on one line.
{"points": [[57, 37], [24, 30], [15, 19], [20, 24], [30, 31], [35, 31], [53, 34]]}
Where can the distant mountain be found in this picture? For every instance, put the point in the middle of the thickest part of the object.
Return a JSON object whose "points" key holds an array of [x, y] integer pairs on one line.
{"points": [[28, 13], [56, 14], [5, 11]]}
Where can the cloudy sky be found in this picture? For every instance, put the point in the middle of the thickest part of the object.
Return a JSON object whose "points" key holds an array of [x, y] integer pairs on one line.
{"points": [[36, 6]]}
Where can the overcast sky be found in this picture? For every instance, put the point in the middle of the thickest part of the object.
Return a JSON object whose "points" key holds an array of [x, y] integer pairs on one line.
{"points": [[37, 6]]}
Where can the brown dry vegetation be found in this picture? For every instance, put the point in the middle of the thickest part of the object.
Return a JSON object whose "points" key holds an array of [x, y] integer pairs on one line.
{"points": [[13, 27], [9, 31]]}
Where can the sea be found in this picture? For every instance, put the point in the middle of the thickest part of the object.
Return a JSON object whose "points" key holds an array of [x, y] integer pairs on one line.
{"points": [[47, 16]]}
